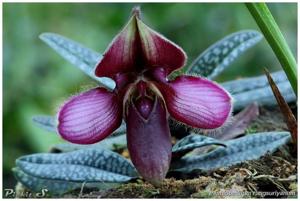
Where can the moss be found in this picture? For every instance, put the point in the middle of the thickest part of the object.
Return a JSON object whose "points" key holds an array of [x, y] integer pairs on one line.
{"points": [[202, 194], [270, 119]]}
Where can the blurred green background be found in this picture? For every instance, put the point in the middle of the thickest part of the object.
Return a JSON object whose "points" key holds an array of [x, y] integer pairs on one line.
{"points": [[36, 80]]}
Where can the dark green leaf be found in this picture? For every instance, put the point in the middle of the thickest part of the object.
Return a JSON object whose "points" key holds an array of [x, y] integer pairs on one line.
{"points": [[273, 35], [238, 150], [218, 56], [83, 58]]}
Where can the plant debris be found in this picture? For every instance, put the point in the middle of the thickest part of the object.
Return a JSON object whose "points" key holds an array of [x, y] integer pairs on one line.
{"points": [[285, 110], [272, 176]]}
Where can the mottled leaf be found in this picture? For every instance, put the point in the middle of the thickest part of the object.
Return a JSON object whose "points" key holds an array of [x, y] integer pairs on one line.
{"points": [[218, 56], [45, 122], [249, 84], [78, 55], [249, 147], [108, 143], [86, 165], [256, 89], [263, 96], [55, 187], [191, 142], [120, 131], [48, 123]]}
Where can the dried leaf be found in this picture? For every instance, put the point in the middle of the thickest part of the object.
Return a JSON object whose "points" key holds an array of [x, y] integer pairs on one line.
{"points": [[285, 109], [238, 124]]}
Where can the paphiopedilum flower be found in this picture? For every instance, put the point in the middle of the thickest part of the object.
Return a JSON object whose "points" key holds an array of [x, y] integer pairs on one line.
{"points": [[139, 60]]}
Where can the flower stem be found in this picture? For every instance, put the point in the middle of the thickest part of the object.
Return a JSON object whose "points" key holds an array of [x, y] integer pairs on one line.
{"points": [[272, 33]]}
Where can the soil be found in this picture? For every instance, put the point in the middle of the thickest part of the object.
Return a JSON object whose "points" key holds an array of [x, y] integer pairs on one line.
{"points": [[269, 119], [272, 176]]}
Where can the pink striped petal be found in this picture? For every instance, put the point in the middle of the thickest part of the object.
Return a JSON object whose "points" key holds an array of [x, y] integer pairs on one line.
{"points": [[149, 139], [122, 54], [197, 102], [90, 116], [159, 51]]}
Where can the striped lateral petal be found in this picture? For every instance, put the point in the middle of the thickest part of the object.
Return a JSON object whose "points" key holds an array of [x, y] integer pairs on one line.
{"points": [[197, 102], [90, 116]]}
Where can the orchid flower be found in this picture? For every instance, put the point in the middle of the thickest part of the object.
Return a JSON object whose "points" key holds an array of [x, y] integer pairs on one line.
{"points": [[139, 60]]}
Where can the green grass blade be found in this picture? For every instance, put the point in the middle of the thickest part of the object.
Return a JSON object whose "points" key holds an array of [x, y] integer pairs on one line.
{"points": [[272, 33]]}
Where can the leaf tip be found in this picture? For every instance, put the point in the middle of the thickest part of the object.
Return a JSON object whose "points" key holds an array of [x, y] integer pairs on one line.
{"points": [[43, 36]]}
